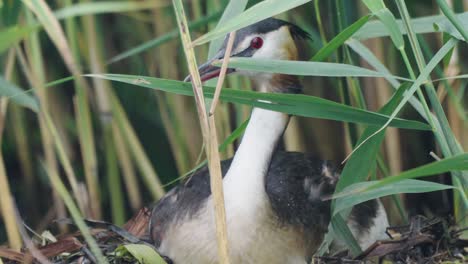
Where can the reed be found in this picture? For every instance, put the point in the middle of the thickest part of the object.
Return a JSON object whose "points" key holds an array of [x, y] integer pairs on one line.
{"points": [[128, 145]]}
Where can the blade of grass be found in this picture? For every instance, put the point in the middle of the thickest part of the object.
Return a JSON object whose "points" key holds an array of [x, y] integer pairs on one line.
{"points": [[353, 194], [451, 16], [379, 9], [303, 68], [128, 170], [461, 76], [76, 216], [14, 93], [341, 231], [102, 88], [10, 11], [418, 82], [85, 130], [143, 253], [302, 105], [105, 7], [113, 180], [12, 35], [338, 41], [178, 114], [360, 165], [7, 207], [54, 30], [387, 18], [63, 157], [338, 224], [20, 128], [163, 38], [55, 33], [36, 77], [375, 29], [140, 158], [318, 16], [451, 70], [11, 228], [455, 163], [460, 179], [233, 8], [260, 11], [90, 165], [367, 55], [234, 135]]}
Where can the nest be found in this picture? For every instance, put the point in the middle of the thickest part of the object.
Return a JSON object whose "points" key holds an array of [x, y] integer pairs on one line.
{"points": [[424, 240]]}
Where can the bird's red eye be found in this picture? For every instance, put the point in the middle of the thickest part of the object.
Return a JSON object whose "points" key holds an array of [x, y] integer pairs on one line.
{"points": [[256, 43]]}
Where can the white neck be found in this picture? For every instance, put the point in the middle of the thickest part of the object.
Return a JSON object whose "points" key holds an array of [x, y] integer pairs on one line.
{"points": [[245, 178]]}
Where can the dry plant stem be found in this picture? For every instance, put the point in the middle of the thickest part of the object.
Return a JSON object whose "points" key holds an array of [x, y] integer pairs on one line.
{"points": [[209, 136], [222, 118], [222, 74], [83, 122], [453, 69], [128, 170], [101, 86], [445, 134], [76, 216], [437, 158], [177, 110], [110, 110], [62, 155], [37, 254], [141, 159], [20, 130], [6, 201], [37, 76], [44, 115], [293, 137], [392, 150], [55, 32], [4, 100], [91, 181]]}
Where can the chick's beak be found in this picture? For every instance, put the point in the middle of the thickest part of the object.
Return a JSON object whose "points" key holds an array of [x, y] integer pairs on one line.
{"points": [[208, 71]]}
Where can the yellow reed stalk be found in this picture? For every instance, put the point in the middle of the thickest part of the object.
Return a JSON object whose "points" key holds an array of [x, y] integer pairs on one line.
{"points": [[54, 30], [139, 156], [6, 203], [128, 170], [209, 134]]}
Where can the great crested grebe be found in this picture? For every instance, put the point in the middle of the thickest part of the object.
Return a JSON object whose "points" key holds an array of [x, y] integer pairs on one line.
{"points": [[274, 207]]}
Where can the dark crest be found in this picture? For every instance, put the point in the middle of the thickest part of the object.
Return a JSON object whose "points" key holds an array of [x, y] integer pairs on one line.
{"points": [[271, 24], [297, 32], [268, 25]]}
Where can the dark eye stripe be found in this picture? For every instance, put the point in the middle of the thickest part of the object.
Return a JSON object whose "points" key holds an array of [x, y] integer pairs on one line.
{"points": [[248, 52]]}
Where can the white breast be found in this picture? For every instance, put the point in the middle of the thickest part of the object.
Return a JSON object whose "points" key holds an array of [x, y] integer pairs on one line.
{"points": [[251, 240]]}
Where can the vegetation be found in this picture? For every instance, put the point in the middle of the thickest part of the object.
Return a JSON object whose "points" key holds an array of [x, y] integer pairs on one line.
{"points": [[385, 90]]}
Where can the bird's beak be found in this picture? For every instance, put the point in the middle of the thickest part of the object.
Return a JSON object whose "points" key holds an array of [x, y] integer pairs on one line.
{"points": [[208, 71]]}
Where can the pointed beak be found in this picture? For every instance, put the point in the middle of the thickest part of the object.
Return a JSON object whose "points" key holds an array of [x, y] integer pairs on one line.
{"points": [[208, 71]]}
